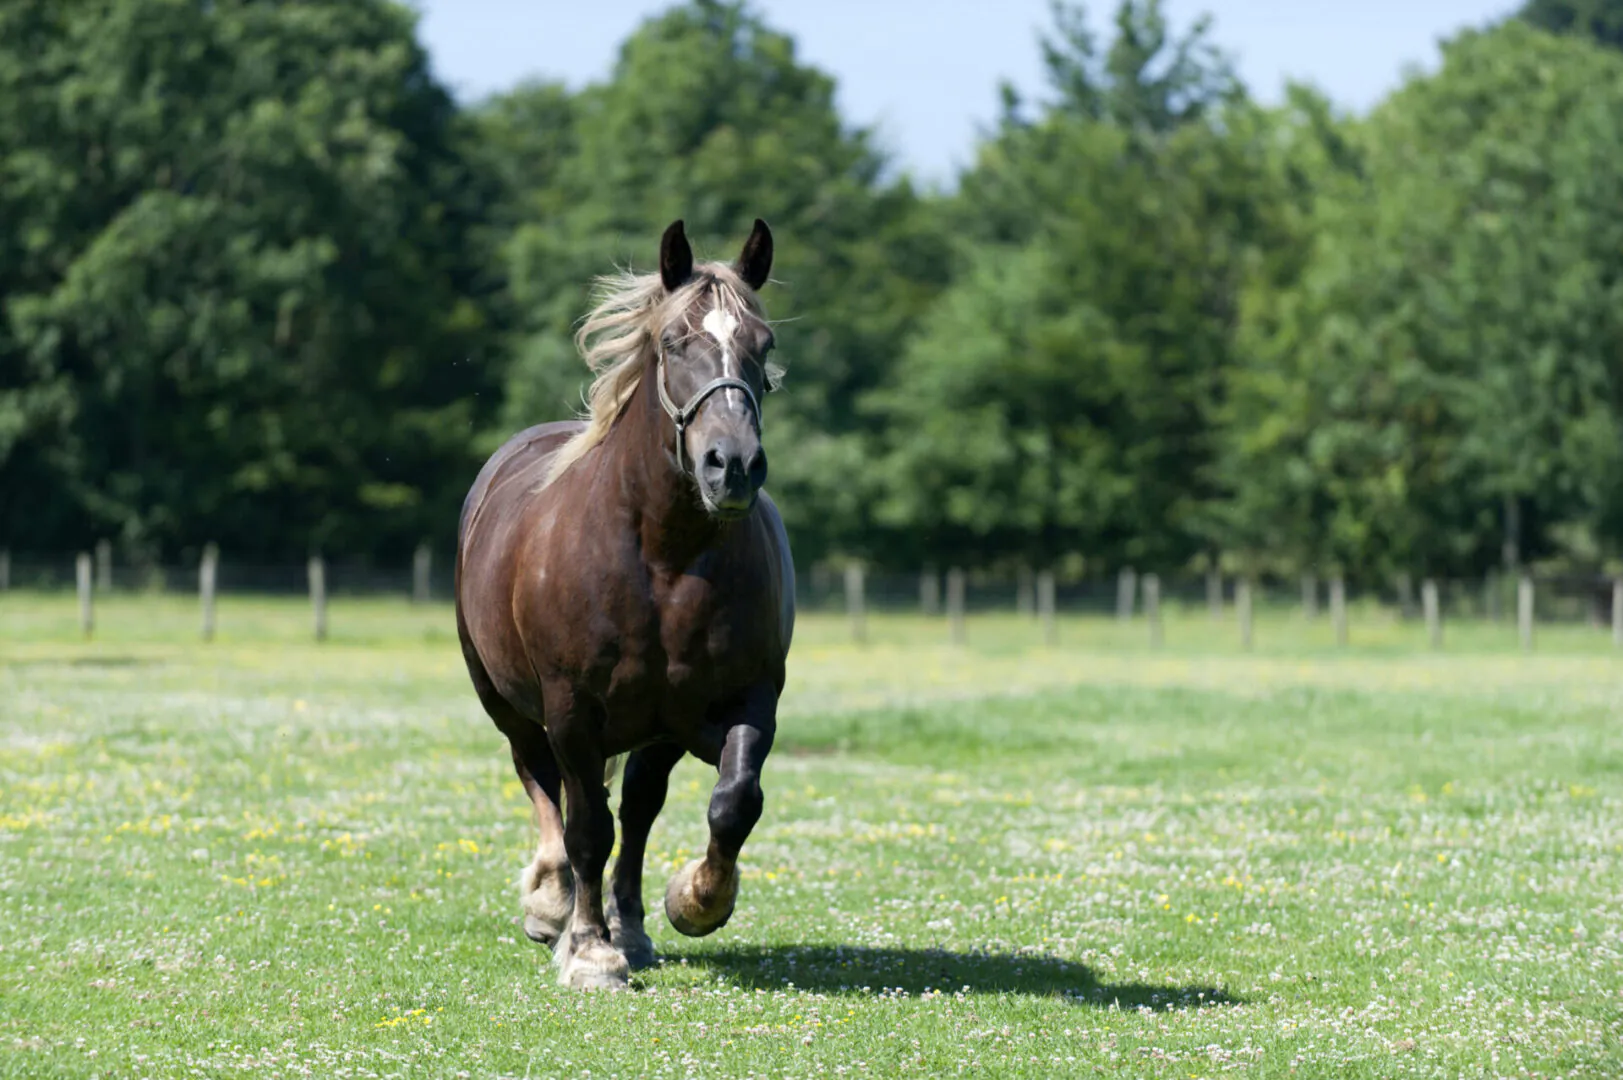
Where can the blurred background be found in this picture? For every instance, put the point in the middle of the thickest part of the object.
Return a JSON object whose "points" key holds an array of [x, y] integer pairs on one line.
{"points": [[1061, 293]]}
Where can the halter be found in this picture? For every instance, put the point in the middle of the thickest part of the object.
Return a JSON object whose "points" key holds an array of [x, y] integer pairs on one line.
{"points": [[685, 415]]}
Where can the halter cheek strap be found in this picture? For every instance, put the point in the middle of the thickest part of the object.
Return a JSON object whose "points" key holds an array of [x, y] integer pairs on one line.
{"points": [[684, 416]]}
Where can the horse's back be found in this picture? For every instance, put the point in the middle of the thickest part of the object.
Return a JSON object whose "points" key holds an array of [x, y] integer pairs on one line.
{"points": [[778, 541], [518, 466]]}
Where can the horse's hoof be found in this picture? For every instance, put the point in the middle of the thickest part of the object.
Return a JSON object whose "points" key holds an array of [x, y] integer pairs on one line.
{"points": [[693, 915], [593, 965], [599, 980], [638, 951], [629, 937]]}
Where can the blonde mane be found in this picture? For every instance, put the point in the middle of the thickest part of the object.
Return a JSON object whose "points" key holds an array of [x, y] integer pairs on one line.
{"points": [[631, 314]]}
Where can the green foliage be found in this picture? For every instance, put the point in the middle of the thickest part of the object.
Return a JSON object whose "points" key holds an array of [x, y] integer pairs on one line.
{"points": [[241, 293], [1059, 397], [264, 284], [1601, 20], [1451, 343]]}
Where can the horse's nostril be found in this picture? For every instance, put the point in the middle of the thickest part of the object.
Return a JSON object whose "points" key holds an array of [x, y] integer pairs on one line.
{"points": [[713, 461], [757, 468]]}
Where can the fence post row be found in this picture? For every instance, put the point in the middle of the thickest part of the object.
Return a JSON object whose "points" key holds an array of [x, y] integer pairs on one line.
{"points": [[1310, 597], [1126, 586], [854, 601], [1242, 607], [1338, 609], [1214, 594], [207, 576], [1152, 606], [87, 617], [1524, 611], [317, 571], [1045, 607], [1434, 615], [955, 604]]}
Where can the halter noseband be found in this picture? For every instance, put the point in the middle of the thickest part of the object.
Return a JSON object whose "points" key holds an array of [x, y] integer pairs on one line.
{"points": [[685, 415]]}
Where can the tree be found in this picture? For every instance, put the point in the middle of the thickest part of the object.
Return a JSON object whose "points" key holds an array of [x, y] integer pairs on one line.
{"points": [[1450, 347], [1059, 397], [242, 292]]}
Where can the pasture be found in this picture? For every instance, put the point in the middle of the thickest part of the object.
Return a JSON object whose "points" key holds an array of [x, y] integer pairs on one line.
{"points": [[265, 857]]}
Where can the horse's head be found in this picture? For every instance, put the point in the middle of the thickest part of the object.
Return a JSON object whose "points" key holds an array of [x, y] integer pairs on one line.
{"points": [[713, 371]]}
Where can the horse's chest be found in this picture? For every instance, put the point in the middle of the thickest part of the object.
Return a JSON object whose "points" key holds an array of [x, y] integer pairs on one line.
{"points": [[683, 655]]}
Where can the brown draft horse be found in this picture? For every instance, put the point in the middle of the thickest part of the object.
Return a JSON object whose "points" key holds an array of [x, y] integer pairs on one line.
{"points": [[624, 587]]}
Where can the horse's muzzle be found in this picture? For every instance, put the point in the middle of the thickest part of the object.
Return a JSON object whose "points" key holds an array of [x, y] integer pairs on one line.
{"points": [[730, 475]]}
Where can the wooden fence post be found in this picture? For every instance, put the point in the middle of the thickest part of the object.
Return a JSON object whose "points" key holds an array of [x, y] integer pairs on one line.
{"points": [[1310, 597], [5, 570], [87, 615], [955, 604], [1490, 596], [1617, 611], [207, 577], [1242, 607], [1045, 607], [1126, 587], [1406, 596], [1214, 594], [422, 566], [1152, 607], [1434, 615], [1524, 611], [104, 566], [930, 592], [317, 571], [1338, 609], [854, 602], [1025, 595]]}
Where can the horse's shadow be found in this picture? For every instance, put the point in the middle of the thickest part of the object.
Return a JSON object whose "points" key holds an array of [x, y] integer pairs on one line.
{"points": [[830, 969]]}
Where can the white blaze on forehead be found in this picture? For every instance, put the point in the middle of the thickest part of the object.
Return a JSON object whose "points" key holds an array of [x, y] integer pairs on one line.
{"points": [[721, 324]]}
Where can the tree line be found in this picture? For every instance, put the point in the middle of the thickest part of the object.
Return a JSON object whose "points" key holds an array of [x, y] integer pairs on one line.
{"points": [[265, 284]]}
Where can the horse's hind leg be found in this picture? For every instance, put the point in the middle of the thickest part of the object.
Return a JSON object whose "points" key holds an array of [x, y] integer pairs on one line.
{"points": [[546, 887], [647, 774], [699, 897]]}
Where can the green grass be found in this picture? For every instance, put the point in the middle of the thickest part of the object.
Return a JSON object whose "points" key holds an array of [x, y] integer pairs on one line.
{"points": [[264, 857]]}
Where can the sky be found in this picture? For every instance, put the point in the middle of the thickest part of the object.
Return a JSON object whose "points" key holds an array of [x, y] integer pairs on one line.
{"points": [[924, 73]]}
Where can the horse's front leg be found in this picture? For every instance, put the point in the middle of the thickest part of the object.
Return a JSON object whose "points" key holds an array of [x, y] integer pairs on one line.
{"points": [[700, 896], [642, 796], [587, 958]]}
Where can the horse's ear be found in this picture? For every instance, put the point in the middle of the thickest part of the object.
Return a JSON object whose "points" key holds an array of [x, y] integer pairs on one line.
{"points": [[755, 263], [675, 257]]}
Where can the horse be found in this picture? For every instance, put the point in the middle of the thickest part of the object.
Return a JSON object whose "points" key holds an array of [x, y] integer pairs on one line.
{"points": [[624, 588]]}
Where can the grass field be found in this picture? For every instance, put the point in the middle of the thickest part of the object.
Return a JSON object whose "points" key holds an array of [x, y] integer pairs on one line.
{"points": [[265, 857]]}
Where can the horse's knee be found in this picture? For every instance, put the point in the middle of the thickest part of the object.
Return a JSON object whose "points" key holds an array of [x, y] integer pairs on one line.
{"points": [[735, 807]]}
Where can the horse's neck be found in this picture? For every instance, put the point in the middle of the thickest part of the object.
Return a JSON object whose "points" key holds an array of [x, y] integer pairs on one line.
{"points": [[674, 528]]}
